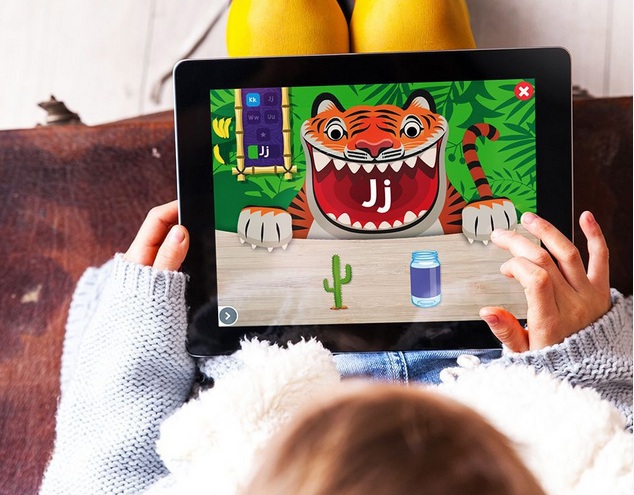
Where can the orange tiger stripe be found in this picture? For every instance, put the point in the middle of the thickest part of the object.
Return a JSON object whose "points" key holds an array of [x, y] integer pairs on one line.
{"points": [[302, 219], [451, 215], [471, 156]]}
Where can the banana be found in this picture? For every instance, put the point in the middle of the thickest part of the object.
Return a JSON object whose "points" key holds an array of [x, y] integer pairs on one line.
{"points": [[221, 126], [215, 126], [227, 124], [217, 155]]}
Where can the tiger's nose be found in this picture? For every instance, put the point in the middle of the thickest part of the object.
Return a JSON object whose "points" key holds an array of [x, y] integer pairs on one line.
{"points": [[374, 149]]}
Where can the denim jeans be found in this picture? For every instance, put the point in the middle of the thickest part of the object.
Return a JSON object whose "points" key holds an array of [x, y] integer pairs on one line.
{"points": [[408, 366]]}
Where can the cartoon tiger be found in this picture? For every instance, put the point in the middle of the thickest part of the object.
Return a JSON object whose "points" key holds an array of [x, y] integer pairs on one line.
{"points": [[379, 172]]}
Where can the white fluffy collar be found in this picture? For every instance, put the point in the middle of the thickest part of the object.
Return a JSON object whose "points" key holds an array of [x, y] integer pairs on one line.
{"points": [[574, 441]]}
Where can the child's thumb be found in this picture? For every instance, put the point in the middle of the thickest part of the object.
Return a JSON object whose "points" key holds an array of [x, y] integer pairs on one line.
{"points": [[506, 328], [172, 252]]}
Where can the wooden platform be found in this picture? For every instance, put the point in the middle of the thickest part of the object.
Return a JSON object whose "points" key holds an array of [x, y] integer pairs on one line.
{"points": [[285, 287]]}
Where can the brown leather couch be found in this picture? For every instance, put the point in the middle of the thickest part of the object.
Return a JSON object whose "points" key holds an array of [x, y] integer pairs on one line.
{"points": [[74, 195]]}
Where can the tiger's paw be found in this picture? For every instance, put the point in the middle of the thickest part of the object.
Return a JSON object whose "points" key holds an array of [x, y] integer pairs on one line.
{"points": [[265, 227], [480, 218]]}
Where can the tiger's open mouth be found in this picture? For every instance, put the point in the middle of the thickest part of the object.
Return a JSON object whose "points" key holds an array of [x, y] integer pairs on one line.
{"points": [[375, 196]]}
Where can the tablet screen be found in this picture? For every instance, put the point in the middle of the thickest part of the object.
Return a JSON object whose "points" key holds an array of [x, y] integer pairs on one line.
{"points": [[366, 206]]}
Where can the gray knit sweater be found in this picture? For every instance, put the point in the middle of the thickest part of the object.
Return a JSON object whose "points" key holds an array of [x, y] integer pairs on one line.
{"points": [[125, 369]]}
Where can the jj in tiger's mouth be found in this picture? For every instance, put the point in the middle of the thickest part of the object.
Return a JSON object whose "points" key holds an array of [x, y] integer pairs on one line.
{"points": [[375, 195]]}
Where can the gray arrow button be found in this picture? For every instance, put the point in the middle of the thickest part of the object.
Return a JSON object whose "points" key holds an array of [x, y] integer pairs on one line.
{"points": [[227, 315]]}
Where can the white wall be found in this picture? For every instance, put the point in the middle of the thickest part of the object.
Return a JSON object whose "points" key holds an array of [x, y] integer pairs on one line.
{"points": [[104, 58], [101, 57], [597, 33]]}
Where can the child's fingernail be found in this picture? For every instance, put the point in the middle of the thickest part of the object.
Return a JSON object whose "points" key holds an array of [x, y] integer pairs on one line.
{"points": [[490, 318], [497, 233], [528, 218], [176, 235]]}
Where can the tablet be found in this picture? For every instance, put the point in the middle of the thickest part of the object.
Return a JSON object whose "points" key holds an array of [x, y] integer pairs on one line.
{"points": [[351, 197]]}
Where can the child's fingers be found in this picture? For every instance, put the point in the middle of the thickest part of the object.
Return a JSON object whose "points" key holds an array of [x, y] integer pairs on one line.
{"points": [[564, 251], [537, 283], [522, 247], [506, 328], [599, 256], [152, 233], [172, 252]]}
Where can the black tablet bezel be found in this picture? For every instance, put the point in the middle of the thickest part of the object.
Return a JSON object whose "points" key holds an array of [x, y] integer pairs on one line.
{"points": [[193, 80]]}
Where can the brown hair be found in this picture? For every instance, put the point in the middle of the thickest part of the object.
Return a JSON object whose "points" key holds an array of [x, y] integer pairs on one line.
{"points": [[387, 440]]}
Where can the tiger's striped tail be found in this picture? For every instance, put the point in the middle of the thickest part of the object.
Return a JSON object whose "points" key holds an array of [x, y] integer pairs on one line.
{"points": [[471, 156]]}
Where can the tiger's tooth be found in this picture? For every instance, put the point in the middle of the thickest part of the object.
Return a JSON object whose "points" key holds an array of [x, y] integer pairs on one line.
{"points": [[357, 225], [411, 161], [332, 215], [369, 226], [396, 166], [284, 246], [339, 164], [242, 241], [397, 223], [320, 160], [269, 249], [410, 216], [384, 225], [368, 167], [354, 167], [344, 218], [429, 157], [422, 213], [382, 166]]}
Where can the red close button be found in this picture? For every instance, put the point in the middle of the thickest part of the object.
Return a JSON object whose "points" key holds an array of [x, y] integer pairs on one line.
{"points": [[524, 90]]}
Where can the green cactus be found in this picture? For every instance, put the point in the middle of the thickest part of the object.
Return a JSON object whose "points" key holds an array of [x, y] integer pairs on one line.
{"points": [[338, 281]]}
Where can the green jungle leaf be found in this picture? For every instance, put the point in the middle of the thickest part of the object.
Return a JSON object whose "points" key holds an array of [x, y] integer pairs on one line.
{"points": [[530, 111], [519, 154], [517, 108], [529, 160], [378, 90], [507, 103], [526, 143]]}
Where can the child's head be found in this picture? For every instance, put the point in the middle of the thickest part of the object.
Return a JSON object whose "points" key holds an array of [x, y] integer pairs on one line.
{"points": [[390, 439]]}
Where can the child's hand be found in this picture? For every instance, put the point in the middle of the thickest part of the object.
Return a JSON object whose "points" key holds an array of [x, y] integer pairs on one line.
{"points": [[561, 299], [160, 242]]}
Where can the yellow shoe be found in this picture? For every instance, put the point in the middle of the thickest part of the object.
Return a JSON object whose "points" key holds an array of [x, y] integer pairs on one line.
{"points": [[286, 27], [415, 25]]}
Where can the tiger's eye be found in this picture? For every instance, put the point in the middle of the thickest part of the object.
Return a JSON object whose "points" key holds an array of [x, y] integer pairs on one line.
{"points": [[411, 127], [335, 130]]}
